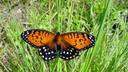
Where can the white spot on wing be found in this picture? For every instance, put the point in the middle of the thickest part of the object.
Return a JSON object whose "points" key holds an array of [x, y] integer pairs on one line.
{"points": [[77, 51], [42, 56], [45, 50], [76, 54], [73, 55], [64, 52], [90, 37], [67, 52], [46, 58], [27, 33], [39, 49], [49, 58], [92, 43], [40, 53], [92, 40], [60, 52], [63, 57], [52, 52], [44, 47], [49, 53], [52, 56]]}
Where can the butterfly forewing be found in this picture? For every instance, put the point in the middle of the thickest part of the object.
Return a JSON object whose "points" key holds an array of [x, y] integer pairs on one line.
{"points": [[43, 40], [79, 40], [37, 38]]}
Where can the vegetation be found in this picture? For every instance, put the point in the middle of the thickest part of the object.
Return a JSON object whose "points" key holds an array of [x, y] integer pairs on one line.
{"points": [[106, 19]]}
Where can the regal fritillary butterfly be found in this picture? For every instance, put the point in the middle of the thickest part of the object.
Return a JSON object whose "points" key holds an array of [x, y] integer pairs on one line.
{"points": [[68, 44]]}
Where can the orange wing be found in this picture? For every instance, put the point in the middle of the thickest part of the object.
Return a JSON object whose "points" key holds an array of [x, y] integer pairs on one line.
{"points": [[38, 38], [43, 40], [79, 40]]}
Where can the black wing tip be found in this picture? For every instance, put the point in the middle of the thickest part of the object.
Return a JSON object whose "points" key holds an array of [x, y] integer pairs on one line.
{"points": [[24, 34], [92, 39]]}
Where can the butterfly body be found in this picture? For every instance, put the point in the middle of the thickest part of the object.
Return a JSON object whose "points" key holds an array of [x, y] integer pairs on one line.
{"points": [[68, 44]]}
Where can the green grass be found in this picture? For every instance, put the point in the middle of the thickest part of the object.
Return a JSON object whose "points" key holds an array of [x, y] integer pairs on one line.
{"points": [[105, 19]]}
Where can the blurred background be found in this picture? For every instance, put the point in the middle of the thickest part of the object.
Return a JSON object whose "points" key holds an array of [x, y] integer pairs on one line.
{"points": [[105, 19]]}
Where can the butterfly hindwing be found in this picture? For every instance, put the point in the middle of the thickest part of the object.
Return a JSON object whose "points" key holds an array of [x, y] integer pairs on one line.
{"points": [[47, 53], [69, 53]]}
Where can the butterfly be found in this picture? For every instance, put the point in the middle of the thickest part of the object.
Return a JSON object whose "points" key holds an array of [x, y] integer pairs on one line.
{"points": [[49, 45]]}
